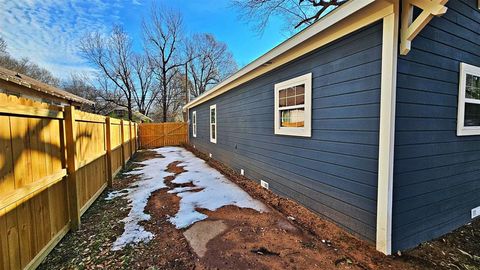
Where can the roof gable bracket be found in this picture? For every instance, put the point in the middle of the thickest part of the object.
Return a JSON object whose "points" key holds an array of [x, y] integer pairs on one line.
{"points": [[410, 28]]}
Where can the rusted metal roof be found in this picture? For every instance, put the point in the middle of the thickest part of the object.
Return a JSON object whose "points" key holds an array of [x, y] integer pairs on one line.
{"points": [[25, 81]]}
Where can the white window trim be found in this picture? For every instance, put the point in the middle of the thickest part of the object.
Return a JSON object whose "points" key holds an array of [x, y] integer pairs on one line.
{"points": [[306, 131], [214, 107], [194, 124], [461, 129]]}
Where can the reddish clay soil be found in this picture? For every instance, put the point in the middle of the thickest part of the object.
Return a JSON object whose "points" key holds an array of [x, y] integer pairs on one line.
{"points": [[255, 240], [252, 240], [457, 250], [169, 249], [361, 253]]}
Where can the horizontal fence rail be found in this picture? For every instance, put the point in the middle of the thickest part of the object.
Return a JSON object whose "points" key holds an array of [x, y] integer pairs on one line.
{"points": [[153, 135], [54, 163]]}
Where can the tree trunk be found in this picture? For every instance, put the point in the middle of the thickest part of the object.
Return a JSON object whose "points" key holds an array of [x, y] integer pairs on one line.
{"points": [[130, 115], [164, 98]]}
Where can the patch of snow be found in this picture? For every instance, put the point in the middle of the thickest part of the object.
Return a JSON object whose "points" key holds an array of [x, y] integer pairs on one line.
{"points": [[115, 194], [215, 191], [152, 179]]}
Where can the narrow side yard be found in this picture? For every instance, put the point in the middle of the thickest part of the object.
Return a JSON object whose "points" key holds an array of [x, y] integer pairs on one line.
{"points": [[172, 210]]}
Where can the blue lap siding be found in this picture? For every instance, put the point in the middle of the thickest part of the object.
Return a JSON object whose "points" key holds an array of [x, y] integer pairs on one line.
{"points": [[436, 173], [334, 173]]}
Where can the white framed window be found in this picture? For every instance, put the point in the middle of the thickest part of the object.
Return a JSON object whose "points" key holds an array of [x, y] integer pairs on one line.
{"points": [[293, 106], [213, 123], [194, 124], [468, 118]]}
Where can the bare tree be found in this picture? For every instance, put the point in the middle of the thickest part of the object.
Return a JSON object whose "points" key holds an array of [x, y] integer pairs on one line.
{"points": [[25, 66], [175, 101], [296, 13], [3, 46], [81, 85], [148, 91], [163, 40], [210, 62], [128, 77]]}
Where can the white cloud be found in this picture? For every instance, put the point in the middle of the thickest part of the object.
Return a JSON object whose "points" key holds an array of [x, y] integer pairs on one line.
{"points": [[48, 31]]}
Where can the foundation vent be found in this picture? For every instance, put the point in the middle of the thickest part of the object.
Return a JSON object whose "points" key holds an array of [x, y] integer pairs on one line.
{"points": [[264, 184]]}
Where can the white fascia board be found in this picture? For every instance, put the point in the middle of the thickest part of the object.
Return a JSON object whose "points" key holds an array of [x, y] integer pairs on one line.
{"points": [[327, 21]]}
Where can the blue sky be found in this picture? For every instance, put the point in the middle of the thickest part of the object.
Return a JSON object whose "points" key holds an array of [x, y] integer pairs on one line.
{"points": [[48, 31]]}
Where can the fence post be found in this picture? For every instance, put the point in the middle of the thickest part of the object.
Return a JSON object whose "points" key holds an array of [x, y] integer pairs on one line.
{"points": [[70, 132], [122, 144], [131, 138], [136, 137], [164, 135], [109, 151]]}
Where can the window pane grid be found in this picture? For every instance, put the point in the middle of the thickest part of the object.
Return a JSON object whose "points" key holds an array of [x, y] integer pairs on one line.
{"points": [[292, 96]]}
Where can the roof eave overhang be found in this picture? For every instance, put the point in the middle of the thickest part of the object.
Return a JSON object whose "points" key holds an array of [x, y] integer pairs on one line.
{"points": [[328, 21]]}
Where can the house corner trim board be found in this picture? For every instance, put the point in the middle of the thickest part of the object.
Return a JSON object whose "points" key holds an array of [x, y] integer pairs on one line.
{"points": [[387, 130]]}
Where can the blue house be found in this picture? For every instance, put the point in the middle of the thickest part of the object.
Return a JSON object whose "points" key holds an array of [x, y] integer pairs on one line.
{"points": [[370, 117]]}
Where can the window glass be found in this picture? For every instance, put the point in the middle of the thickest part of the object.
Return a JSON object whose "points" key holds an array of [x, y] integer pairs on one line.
{"points": [[212, 117], [472, 115], [213, 131], [292, 118], [472, 87], [292, 96]]}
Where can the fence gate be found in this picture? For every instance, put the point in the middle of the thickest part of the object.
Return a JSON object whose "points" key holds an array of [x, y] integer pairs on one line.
{"points": [[152, 135]]}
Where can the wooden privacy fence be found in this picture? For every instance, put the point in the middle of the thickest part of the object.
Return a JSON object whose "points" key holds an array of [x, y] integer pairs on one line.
{"points": [[54, 163], [152, 135]]}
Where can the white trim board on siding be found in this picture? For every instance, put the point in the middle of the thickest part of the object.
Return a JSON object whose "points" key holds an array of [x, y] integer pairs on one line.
{"points": [[386, 143]]}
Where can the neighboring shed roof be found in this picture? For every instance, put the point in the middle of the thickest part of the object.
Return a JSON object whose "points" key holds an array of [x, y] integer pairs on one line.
{"points": [[43, 88], [282, 53], [136, 114]]}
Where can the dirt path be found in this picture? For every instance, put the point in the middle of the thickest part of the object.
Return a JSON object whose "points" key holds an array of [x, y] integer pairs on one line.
{"points": [[288, 236]]}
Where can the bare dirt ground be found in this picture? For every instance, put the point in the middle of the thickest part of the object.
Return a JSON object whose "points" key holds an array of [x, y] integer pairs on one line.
{"points": [[287, 237]]}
